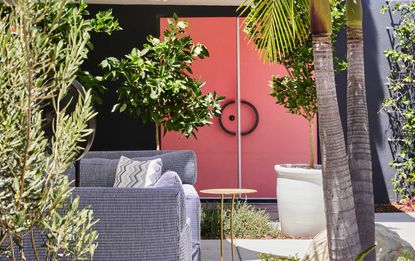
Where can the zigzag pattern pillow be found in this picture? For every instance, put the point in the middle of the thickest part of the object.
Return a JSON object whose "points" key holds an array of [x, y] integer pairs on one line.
{"points": [[137, 174]]}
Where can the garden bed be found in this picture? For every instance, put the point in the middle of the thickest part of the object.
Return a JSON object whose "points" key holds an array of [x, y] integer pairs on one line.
{"points": [[408, 206], [249, 222]]}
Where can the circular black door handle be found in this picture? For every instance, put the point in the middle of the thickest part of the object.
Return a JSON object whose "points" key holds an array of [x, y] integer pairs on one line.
{"points": [[232, 118], [74, 93]]}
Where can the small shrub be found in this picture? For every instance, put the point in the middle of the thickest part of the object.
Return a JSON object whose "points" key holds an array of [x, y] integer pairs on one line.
{"points": [[405, 256], [248, 222], [210, 221], [268, 257]]}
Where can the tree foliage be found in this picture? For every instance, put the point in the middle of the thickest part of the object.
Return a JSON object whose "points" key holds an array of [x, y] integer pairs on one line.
{"points": [[276, 27], [157, 83], [103, 22], [297, 90], [401, 105], [42, 46]]}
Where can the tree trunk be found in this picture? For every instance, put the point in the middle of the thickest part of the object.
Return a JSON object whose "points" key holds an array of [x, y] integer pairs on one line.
{"points": [[358, 142], [157, 126], [342, 231], [312, 148]]}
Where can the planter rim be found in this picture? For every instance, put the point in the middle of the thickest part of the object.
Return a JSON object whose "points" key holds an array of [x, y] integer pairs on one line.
{"points": [[298, 170]]}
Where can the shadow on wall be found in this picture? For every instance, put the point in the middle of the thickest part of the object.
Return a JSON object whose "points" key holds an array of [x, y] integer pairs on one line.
{"points": [[375, 63], [375, 91]]}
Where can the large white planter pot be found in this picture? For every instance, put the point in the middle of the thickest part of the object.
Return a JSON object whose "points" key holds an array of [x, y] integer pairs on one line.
{"points": [[300, 200]]}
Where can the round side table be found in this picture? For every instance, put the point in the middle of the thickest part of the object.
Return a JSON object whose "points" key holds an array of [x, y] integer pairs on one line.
{"points": [[222, 192]]}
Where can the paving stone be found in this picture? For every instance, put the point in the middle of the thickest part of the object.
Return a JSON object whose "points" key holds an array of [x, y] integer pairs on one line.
{"points": [[211, 250], [249, 249]]}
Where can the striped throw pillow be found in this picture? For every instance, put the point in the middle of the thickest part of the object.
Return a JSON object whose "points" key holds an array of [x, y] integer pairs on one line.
{"points": [[137, 174]]}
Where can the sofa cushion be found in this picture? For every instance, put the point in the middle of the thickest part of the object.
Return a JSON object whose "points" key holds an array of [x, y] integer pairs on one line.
{"points": [[100, 172], [183, 162], [137, 174], [169, 179], [97, 172]]}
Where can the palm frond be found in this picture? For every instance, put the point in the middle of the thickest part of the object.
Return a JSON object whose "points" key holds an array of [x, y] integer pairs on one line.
{"points": [[276, 26]]}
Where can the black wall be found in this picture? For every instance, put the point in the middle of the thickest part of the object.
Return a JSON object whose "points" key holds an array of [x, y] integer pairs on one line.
{"points": [[117, 131], [376, 41]]}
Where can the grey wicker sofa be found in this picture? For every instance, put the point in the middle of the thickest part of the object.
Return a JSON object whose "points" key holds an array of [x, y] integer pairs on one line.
{"points": [[142, 224]]}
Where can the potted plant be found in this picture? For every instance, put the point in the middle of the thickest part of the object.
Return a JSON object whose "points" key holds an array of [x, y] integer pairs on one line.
{"points": [[299, 186], [157, 83]]}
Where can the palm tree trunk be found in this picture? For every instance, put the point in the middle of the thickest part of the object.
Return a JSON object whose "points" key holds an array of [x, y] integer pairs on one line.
{"points": [[342, 231], [358, 142], [312, 148]]}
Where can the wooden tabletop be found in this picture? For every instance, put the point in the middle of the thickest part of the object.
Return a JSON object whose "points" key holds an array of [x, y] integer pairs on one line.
{"points": [[228, 191]]}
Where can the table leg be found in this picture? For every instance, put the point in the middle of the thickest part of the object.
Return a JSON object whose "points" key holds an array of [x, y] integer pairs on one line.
{"points": [[221, 227], [232, 244]]}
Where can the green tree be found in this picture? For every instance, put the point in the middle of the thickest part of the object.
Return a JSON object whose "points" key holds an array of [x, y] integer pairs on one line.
{"points": [[42, 46], [157, 83], [263, 18], [297, 91], [103, 22]]}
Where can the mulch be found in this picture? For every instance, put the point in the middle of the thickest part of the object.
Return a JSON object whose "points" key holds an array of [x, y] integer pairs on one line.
{"points": [[407, 206]]}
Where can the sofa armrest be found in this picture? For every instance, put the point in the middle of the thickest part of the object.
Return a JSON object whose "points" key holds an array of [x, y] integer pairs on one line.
{"points": [[136, 224]]}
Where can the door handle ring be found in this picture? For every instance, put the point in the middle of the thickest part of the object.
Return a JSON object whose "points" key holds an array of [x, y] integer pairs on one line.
{"points": [[245, 132]]}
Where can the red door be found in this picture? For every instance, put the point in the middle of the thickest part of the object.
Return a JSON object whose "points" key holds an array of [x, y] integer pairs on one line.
{"points": [[216, 151], [268, 135]]}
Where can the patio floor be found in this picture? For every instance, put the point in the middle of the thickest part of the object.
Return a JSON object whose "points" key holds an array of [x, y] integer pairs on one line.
{"points": [[248, 250]]}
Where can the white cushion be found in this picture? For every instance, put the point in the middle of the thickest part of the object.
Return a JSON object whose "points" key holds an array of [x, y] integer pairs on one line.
{"points": [[169, 179]]}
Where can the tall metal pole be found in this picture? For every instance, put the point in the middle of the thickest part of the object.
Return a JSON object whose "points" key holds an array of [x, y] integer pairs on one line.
{"points": [[232, 243], [221, 227], [238, 101]]}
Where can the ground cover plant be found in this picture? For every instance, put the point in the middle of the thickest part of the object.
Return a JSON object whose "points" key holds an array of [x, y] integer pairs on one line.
{"points": [[248, 222], [268, 257], [157, 84], [42, 46]]}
